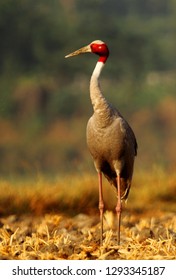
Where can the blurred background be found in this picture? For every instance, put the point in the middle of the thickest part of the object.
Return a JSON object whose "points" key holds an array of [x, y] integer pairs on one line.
{"points": [[44, 98]]}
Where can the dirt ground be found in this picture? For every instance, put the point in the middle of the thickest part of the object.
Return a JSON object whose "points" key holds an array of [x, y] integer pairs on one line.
{"points": [[42, 219], [56, 236]]}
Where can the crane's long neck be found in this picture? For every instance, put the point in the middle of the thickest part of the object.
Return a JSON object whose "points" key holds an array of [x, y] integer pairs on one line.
{"points": [[102, 108]]}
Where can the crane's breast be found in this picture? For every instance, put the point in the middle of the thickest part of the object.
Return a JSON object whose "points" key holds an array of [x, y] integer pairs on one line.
{"points": [[113, 149], [112, 143], [105, 142]]}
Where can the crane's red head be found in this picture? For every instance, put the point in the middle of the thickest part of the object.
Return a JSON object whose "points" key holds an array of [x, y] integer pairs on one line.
{"points": [[98, 47]]}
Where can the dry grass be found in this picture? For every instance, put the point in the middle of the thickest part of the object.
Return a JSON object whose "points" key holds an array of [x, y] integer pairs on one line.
{"points": [[58, 219]]}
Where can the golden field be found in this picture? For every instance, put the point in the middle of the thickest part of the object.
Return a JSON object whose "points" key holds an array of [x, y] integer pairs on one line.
{"points": [[58, 218]]}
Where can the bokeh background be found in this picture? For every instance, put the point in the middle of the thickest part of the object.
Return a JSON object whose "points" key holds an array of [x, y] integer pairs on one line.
{"points": [[44, 98]]}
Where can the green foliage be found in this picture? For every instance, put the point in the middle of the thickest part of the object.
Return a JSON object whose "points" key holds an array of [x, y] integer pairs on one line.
{"points": [[38, 86]]}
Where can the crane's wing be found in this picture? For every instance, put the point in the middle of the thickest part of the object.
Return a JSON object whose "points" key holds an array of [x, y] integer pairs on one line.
{"points": [[127, 132]]}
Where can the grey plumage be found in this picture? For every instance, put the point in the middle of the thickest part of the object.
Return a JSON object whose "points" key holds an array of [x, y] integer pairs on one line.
{"points": [[113, 147]]}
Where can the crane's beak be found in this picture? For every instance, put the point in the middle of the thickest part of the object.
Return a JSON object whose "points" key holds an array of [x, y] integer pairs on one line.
{"points": [[82, 50]]}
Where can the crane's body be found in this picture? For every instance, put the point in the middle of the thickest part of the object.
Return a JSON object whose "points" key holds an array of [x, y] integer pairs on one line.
{"points": [[110, 139]]}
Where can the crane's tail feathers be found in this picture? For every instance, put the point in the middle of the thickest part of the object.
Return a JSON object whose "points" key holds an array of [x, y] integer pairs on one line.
{"points": [[125, 187]]}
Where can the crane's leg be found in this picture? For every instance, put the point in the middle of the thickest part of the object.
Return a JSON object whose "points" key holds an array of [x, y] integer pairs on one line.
{"points": [[118, 209], [101, 206]]}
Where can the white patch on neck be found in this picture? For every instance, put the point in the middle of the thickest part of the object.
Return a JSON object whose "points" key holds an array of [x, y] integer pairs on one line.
{"points": [[98, 68]]}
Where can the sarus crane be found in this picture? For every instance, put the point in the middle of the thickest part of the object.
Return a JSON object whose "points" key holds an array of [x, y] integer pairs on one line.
{"points": [[110, 139]]}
